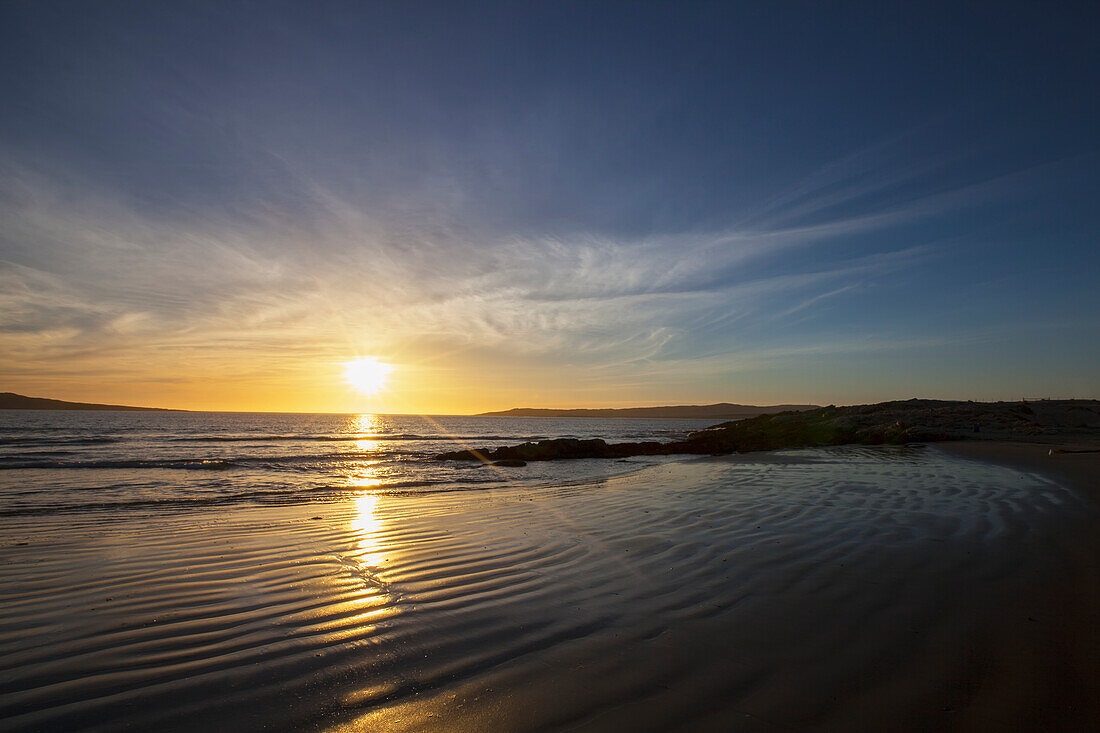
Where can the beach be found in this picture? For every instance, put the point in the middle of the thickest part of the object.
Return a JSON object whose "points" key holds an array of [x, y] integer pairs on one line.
{"points": [[1074, 463], [539, 367], [544, 367], [901, 588]]}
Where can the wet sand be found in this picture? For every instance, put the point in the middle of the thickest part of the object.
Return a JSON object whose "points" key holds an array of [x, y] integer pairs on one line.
{"points": [[1073, 463], [1054, 659], [835, 589]]}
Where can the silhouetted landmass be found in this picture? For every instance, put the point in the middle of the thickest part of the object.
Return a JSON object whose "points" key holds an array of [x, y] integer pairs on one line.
{"points": [[12, 401], [720, 411], [899, 422]]}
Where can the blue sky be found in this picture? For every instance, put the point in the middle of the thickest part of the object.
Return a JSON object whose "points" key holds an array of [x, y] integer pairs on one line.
{"points": [[549, 204]]}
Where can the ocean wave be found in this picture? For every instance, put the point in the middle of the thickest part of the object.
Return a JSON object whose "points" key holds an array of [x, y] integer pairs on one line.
{"points": [[201, 464], [91, 440], [341, 438], [204, 464], [305, 438], [286, 496], [22, 456]]}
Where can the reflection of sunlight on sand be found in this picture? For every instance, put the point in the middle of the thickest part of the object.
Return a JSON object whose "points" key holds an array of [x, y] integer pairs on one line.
{"points": [[368, 526]]}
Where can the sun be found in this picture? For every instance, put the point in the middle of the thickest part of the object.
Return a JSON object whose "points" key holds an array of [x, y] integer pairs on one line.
{"points": [[367, 374]]}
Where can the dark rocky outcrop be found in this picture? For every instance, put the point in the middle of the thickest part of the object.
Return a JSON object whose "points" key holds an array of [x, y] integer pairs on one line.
{"points": [[883, 423], [549, 450]]}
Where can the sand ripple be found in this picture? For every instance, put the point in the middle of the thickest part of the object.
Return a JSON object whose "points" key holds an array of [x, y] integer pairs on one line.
{"points": [[823, 588]]}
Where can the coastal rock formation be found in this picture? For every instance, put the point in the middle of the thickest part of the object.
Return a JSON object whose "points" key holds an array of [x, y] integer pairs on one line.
{"points": [[883, 423], [549, 450]]}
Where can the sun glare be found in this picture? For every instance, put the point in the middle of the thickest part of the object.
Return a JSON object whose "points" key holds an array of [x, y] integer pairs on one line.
{"points": [[367, 374]]}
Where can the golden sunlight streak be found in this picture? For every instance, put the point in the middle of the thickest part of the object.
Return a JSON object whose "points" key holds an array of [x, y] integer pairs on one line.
{"points": [[366, 523], [367, 374], [368, 527], [364, 428]]}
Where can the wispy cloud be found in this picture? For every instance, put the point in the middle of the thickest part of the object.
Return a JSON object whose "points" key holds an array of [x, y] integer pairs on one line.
{"points": [[89, 276]]}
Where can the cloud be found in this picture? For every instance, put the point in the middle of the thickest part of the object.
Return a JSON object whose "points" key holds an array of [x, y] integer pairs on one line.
{"points": [[88, 274]]}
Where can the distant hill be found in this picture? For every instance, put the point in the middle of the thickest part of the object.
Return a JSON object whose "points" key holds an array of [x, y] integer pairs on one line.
{"points": [[12, 401], [720, 411]]}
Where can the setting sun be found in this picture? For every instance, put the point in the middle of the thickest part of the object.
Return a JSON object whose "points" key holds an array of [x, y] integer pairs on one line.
{"points": [[367, 374]]}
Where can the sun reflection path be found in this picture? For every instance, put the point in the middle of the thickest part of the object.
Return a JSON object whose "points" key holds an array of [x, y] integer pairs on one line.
{"points": [[366, 522], [364, 425], [370, 530]]}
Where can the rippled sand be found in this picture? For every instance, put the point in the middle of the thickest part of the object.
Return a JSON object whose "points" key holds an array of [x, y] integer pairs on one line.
{"points": [[830, 589]]}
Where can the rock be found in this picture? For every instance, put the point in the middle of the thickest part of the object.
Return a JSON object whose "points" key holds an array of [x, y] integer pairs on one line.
{"points": [[510, 463], [559, 448]]}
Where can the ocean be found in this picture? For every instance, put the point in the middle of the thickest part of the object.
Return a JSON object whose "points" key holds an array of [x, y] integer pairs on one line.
{"points": [[205, 571], [67, 461]]}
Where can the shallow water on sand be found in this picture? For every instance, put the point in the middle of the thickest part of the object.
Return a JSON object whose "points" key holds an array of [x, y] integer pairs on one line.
{"points": [[54, 462], [818, 588]]}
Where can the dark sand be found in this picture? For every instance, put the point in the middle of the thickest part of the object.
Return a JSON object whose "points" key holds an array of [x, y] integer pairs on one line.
{"points": [[1048, 662], [1073, 463]]}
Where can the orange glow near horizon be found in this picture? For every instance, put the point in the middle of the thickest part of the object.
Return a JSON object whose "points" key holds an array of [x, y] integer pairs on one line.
{"points": [[406, 381]]}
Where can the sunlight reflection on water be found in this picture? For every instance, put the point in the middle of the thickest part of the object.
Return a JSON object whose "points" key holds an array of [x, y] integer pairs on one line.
{"points": [[368, 525]]}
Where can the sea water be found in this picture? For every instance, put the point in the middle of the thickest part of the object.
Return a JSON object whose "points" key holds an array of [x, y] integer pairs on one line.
{"points": [[68, 461]]}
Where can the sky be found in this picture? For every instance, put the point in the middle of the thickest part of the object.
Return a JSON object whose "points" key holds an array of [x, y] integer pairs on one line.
{"points": [[217, 205]]}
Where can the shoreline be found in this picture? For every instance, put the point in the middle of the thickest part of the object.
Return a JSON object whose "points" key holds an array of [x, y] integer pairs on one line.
{"points": [[888, 588]]}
